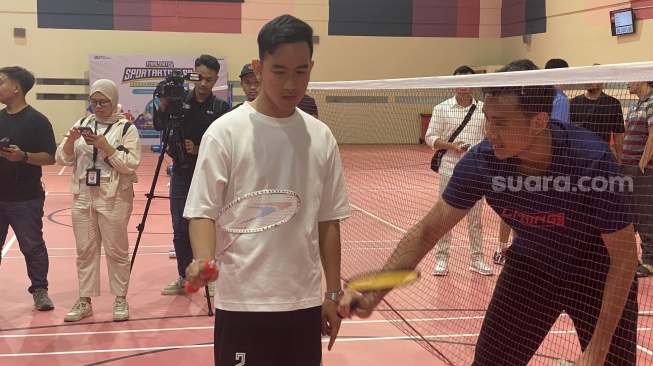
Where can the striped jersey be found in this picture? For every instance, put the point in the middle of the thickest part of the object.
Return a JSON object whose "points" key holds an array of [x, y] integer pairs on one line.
{"points": [[638, 121]]}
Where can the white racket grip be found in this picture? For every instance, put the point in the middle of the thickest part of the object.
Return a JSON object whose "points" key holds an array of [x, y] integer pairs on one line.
{"points": [[561, 362]]}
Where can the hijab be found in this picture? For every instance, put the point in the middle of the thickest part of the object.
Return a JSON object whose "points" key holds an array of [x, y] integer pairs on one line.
{"points": [[108, 89]]}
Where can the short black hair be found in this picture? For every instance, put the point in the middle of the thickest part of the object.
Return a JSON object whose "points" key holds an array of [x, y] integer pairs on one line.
{"points": [[519, 65], [208, 61], [282, 30], [20, 76], [556, 63], [533, 99], [464, 70]]}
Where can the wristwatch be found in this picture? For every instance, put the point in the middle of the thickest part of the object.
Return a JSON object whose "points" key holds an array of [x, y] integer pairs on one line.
{"points": [[25, 157], [333, 296]]}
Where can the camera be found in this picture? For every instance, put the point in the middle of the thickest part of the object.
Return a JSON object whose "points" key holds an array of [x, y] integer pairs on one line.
{"points": [[172, 90]]}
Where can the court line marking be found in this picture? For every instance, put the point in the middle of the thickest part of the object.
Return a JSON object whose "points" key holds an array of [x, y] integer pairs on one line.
{"points": [[8, 245], [324, 340], [75, 255], [147, 330], [378, 218], [140, 246]]}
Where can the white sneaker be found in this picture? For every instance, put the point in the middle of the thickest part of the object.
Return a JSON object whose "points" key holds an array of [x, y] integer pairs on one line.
{"points": [[441, 268], [480, 267], [80, 310], [120, 310], [175, 288]]}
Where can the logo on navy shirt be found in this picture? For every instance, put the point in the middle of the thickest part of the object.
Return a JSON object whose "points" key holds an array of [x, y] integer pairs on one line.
{"points": [[539, 219]]}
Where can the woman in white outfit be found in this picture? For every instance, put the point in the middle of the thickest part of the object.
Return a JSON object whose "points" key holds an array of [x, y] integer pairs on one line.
{"points": [[104, 163]]}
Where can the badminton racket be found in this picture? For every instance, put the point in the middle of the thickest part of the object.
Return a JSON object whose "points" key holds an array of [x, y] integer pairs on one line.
{"points": [[252, 213], [380, 281]]}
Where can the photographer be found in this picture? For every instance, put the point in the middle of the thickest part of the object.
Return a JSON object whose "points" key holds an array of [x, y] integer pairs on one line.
{"points": [[200, 108], [28, 144]]}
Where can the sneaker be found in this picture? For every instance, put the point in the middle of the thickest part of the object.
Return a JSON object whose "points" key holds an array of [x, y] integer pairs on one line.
{"points": [[175, 288], [499, 258], [645, 270], [441, 268], [41, 300], [120, 310], [80, 310], [480, 267]]}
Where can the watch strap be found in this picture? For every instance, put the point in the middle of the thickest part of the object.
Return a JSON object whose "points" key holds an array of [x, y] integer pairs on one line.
{"points": [[333, 296]]}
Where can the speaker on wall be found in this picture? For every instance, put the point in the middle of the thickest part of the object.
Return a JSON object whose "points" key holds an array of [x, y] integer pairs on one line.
{"points": [[20, 32]]}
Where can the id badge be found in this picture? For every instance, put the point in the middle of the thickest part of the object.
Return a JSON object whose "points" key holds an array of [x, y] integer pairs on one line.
{"points": [[92, 177]]}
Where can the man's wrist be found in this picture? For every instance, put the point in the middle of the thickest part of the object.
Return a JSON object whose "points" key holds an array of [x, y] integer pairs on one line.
{"points": [[25, 157]]}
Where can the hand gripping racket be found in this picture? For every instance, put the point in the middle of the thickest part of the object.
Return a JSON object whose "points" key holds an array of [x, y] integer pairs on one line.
{"points": [[252, 213], [380, 281]]}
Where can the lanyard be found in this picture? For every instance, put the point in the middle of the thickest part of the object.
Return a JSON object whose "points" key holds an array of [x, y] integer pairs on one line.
{"points": [[95, 150]]}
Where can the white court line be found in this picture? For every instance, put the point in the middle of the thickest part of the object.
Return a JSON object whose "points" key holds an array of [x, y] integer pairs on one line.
{"points": [[25, 335], [103, 332], [324, 340], [140, 246], [110, 350], [62, 170], [378, 218], [75, 255], [353, 339], [8, 245], [645, 350]]}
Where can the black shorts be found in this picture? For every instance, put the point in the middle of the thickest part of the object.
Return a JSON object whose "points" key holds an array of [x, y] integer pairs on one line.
{"points": [[527, 302], [291, 338]]}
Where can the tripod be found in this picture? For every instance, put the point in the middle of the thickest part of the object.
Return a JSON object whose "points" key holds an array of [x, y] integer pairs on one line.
{"points": [[175, 127]]}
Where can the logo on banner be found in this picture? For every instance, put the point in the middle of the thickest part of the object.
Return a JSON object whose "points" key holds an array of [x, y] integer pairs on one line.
{"points": [[153, 70]]}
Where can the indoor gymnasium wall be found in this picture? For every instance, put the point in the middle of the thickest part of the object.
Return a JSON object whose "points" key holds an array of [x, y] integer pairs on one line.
{"points": [[63, 53], [435, 43], [579, 32]]}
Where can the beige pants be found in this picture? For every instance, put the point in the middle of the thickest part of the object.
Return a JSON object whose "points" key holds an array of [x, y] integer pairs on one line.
{"points": [[474, 228], [98, 219]]}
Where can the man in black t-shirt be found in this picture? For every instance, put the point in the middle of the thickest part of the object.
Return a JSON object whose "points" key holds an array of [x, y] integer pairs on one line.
{"points": [[599, 113], [200, 108], [29, 145]]}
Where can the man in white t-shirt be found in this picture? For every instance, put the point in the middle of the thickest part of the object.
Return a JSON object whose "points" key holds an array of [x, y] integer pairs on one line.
{"points": [[269, 305], [446, 118]]}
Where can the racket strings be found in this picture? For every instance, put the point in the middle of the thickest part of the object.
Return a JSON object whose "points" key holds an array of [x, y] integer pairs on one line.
{"points": [[259, 212]]}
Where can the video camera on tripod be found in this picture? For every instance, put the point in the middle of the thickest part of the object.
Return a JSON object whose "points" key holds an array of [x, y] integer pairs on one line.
{"points": [[169, 118], [172, 90]]}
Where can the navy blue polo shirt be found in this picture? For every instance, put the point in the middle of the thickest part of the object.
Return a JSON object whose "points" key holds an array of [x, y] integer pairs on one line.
{"points": [[557, 218]]}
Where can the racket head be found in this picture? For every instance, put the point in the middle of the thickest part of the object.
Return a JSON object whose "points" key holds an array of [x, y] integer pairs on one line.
{"points": [[259, 211], [385, 280]]}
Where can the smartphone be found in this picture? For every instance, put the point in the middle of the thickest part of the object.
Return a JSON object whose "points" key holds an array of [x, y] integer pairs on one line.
{"points": [[4, 143], [85, 130]]}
